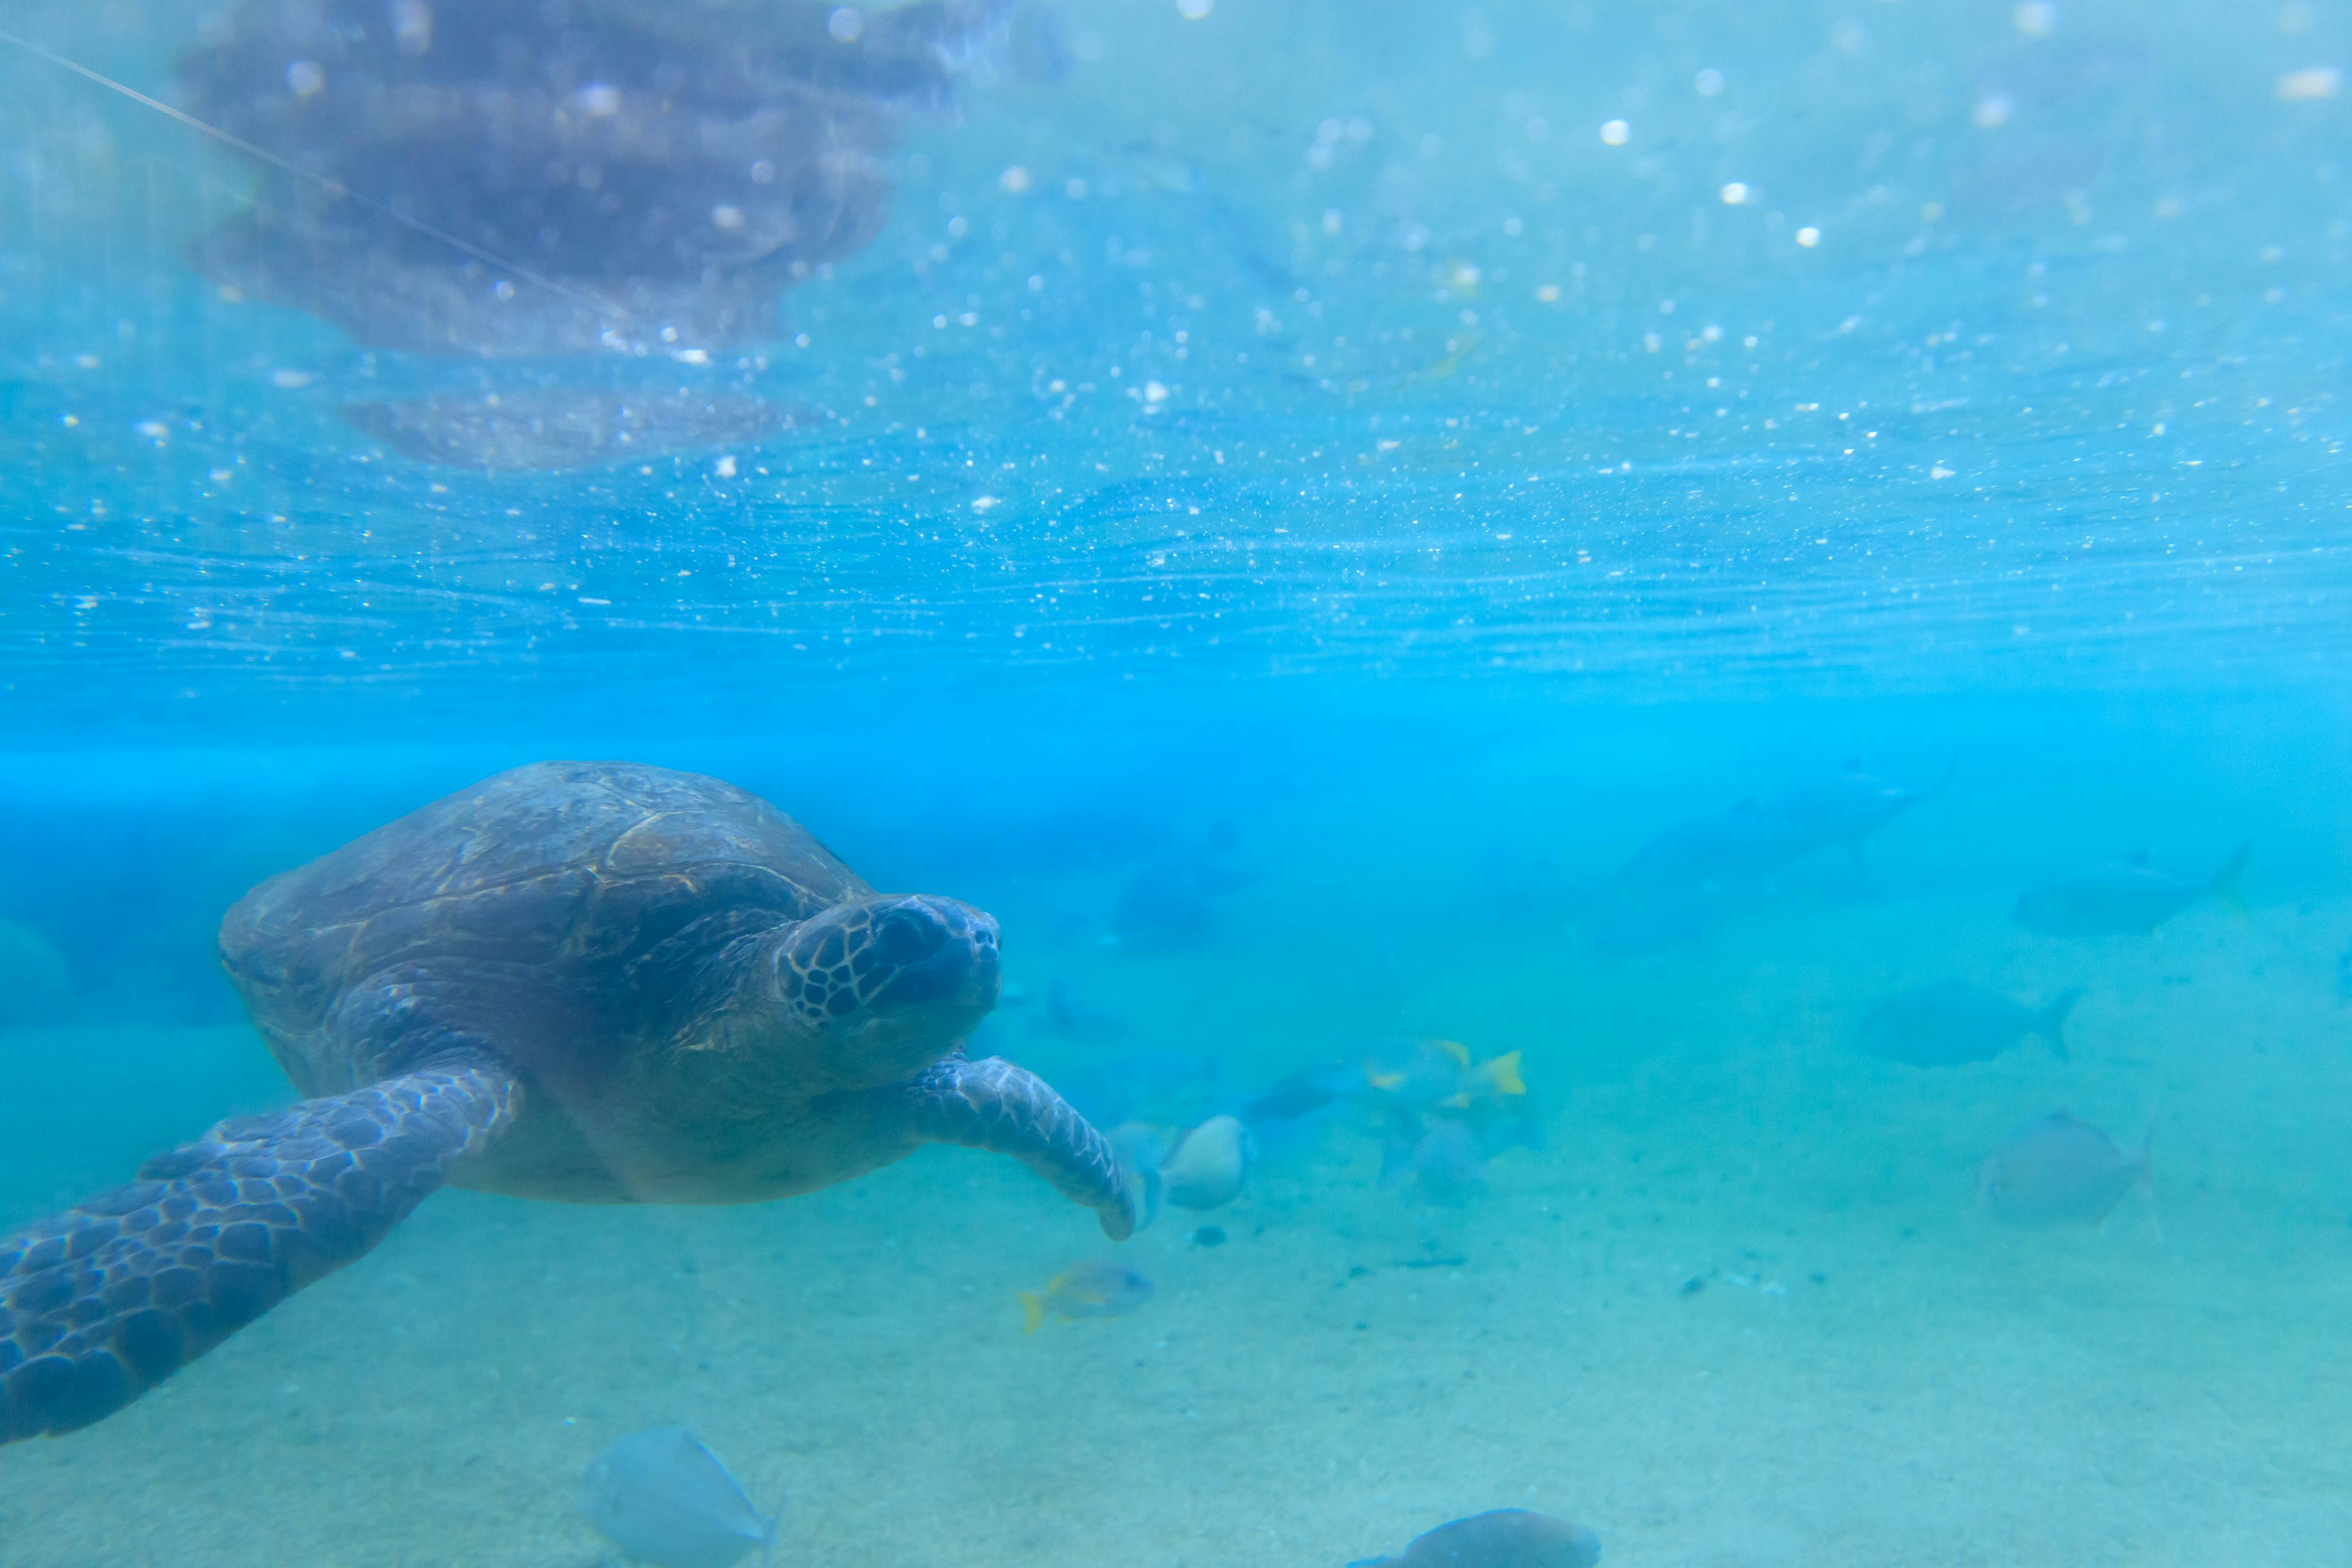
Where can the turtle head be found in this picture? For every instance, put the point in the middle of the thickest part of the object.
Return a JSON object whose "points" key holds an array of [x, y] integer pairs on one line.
{"points": [[890, 984]]}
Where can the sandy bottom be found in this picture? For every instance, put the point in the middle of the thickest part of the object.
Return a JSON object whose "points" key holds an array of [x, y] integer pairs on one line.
{"points": [[1868, 1372]]}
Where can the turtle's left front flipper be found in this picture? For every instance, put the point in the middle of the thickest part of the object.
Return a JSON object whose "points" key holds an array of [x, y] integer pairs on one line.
{"points": [[992, 1104], [100, 1304]]}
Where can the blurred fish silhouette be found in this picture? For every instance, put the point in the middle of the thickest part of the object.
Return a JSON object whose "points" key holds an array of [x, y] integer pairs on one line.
{"points": [[1681, 878], [664, 1500], [1504, 1538], [2059, 1169], [1846, 809], [1174, 901], [1305, 1091], [1145, 1082], [1954, 1022], [1071, 1017], [2130, 900], [1446, 1161], [1101, 1288]]}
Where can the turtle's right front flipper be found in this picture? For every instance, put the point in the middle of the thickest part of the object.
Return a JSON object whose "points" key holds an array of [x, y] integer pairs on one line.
{"points": [[102, 1302]]}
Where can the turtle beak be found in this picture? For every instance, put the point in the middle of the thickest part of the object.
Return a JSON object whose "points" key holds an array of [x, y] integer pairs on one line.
{"points": [[915, 966], [931, 951]]}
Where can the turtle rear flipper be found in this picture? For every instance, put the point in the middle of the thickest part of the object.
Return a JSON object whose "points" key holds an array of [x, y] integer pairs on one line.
{"points": [[102, 1302], [992, 1104]]}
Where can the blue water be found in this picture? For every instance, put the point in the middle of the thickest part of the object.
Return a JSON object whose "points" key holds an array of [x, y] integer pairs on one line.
{"points": [[1284, 508]]}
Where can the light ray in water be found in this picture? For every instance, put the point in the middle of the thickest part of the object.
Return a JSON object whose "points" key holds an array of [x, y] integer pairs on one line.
{"points": [[333, 187]]}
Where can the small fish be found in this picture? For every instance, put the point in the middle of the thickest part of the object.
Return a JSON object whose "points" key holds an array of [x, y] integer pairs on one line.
{"points": [[1954, 1022], [2123, 901], [1098, 1289], [1304, 1093], [1847, 809], [1208, 1165], [2058, 1170], [1440, 1074], [664, 1500], [1447, 1160], [1504, 1538]]}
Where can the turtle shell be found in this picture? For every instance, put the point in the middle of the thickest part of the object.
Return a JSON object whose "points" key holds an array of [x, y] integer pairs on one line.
{"points": [[607, 884]]}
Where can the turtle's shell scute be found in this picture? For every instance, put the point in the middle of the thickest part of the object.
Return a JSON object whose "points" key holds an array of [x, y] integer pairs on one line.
{"points": [[574, 871]]}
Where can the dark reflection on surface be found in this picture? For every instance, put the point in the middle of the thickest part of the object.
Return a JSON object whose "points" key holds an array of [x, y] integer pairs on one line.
{"points": [[648, 171]]}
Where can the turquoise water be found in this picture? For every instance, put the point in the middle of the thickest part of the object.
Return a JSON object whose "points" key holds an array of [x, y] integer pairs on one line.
{"points": [[1341, 528]]}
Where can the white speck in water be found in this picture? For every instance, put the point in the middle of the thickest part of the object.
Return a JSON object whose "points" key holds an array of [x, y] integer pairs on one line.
{"points": [[2307, 86]]}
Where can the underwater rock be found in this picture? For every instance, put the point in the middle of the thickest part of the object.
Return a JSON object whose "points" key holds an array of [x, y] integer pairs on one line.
{"points": [[2130, 900], [1502, 1538], [664, 1500], [523, 177], [557, 427], [2059, 1169], [1954, 1022]]}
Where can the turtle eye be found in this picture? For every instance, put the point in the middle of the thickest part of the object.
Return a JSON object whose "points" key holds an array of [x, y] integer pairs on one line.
{"points": [[909, 936]]}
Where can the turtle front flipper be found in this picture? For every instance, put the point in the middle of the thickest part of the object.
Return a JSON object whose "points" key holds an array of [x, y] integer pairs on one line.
{"points": [[992, 1104], [102, 1302]]}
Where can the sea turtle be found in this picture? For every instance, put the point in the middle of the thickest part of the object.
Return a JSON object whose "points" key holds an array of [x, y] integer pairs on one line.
{"points": [[591, 982]]}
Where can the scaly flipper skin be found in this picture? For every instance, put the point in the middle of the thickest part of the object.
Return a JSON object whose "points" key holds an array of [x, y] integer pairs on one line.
{"points": [[102, 1302], [992, 1104]]}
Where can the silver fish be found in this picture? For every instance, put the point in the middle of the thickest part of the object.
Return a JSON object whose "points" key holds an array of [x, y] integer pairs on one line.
{"points": [[2059, 1169], [1501, 1538], [1954, 1022], [2130, 900], [1676, 884], [664, 1500], [1208, 1164], [1847, 809]]}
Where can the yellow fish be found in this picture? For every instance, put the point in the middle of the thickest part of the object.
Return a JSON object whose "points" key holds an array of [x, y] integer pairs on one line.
{"points": [[1101, 1288], [1441, 1073]]}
